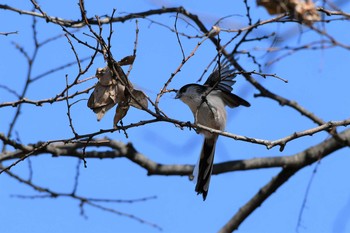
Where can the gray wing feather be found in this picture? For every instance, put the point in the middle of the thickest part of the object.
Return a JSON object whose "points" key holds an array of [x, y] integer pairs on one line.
{"points": [[222, 79]]}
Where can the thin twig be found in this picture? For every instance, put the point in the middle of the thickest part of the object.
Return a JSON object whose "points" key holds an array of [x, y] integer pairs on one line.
{"points": [[178, 38]]}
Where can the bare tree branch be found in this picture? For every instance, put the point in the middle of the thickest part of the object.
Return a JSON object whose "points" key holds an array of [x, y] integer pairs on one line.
{"points": [[233, 43], [84, 200], [303, 159]]}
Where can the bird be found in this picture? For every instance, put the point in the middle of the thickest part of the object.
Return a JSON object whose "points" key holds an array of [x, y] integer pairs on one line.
{"points": [[207, 103]]}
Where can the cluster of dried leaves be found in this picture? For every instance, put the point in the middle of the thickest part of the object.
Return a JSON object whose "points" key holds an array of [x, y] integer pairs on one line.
{"points": [[113, 87], [304, 11]]}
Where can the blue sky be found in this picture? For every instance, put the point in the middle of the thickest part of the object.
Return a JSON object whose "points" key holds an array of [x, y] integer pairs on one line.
{"points": [[317, 80]]}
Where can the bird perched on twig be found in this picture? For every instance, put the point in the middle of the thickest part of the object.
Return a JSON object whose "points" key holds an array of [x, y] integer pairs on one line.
{"points": [[207, 103]]}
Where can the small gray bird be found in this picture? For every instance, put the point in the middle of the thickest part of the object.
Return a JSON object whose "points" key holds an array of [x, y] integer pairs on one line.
{"points": [[207, 103]]}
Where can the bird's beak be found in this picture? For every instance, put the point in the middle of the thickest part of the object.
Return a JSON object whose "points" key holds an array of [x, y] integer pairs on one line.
{"points": [[178, 95]]}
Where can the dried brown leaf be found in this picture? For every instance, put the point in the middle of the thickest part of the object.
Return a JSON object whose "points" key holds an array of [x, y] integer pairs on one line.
{"points": [[107, 93], [275, 6], [140, 100], [101, 100], [128, 60], [113, 87], [105, 76], [120, 112], [304, 11]]}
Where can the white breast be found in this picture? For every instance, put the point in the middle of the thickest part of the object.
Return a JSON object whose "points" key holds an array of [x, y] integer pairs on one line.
{"points": [[210, 113]]}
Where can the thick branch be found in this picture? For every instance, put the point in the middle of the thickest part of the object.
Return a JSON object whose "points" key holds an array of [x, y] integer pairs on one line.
{"points": [[301, 160], [121, 150], [257, 200]]}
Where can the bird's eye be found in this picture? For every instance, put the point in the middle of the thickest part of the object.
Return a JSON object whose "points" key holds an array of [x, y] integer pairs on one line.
{"points": [[182, 90]]}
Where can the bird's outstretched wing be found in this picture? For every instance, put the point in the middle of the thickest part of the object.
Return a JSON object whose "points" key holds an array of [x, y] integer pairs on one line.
{"points": [[222, 79]]}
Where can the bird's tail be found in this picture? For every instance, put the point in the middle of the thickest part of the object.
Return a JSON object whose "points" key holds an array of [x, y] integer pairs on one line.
{"points": [[204, 167]]}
